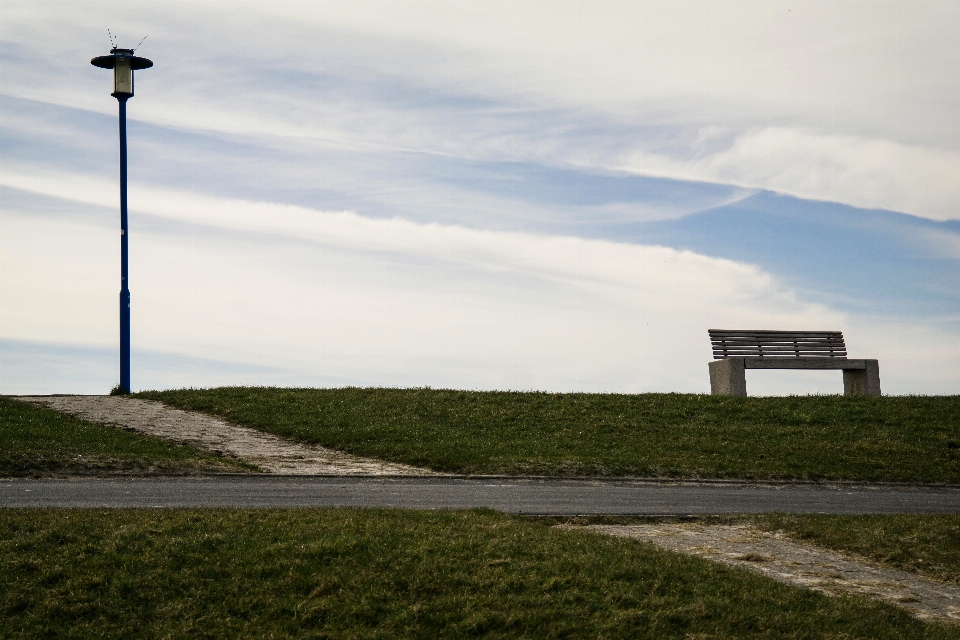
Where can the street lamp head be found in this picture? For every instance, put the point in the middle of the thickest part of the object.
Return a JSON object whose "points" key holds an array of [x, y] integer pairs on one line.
{"points": [[123, 63]]}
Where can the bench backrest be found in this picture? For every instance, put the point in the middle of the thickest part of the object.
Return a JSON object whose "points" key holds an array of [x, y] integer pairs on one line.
{"points": [[729, 343]]}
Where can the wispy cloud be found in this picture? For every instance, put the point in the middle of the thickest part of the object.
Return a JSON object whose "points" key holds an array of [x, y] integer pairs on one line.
{"points": [[865, 173], [839, 103]]}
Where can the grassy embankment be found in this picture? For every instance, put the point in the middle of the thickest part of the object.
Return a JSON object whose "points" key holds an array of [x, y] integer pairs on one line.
{"points": [[378, 574], [37, 441], [911, 438]]}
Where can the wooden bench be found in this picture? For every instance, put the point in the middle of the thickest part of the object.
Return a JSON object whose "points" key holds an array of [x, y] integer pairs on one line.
{"points": [[735, 351]]}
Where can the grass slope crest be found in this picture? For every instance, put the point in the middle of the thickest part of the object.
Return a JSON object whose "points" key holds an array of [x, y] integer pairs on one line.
{"points": [[904, 439]]}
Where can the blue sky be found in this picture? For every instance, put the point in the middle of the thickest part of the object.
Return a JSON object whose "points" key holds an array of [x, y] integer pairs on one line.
{"points": [[518, 195]]}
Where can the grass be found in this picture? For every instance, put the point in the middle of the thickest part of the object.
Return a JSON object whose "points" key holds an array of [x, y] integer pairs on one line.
{"points": [[928, 544], [37, 441], [349, 573], [907, 438]]}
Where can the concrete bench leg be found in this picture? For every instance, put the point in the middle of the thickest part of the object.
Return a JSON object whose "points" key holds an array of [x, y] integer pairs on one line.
{"points": [[862, 381], [729, 377]]}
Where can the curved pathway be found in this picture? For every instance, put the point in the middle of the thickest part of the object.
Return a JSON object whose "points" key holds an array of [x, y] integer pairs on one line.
{"points": [[803, 565]]}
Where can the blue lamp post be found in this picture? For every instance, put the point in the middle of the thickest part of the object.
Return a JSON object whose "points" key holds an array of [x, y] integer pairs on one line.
{"points": [[123, 63]]}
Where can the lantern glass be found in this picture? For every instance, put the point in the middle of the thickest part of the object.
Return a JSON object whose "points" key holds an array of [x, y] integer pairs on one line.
{"points": [[122, 77]]}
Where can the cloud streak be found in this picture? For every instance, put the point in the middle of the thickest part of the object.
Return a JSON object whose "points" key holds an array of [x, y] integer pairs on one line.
{"points": [[334, 295], [871, 174], [804, 100]]}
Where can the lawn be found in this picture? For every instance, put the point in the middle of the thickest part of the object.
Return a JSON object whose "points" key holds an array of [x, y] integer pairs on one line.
{"points": [[349, 573], [906, 438], [37, 441]]}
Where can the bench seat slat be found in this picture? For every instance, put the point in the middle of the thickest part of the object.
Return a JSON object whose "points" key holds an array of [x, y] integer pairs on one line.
{"points": [[777, 357], [762, 340], [753, 332], [774, 337], [723, 333], [778, 345], [811, 342], [784, 340], [804, 363], [831, 343], [814, 343], [782, 354]]}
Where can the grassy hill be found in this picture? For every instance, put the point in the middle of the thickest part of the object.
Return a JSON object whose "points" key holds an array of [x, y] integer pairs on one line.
{"points": [[906, 438]]}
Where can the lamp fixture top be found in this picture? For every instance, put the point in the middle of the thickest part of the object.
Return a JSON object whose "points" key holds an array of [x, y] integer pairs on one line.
{"points": [[110, 61]]}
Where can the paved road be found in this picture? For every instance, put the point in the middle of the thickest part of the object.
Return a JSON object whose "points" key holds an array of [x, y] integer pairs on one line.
{"points": [[528, 496]]}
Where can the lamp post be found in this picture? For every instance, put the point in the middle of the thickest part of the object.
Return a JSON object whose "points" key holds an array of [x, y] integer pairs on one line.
{"points": [[123, 63]]}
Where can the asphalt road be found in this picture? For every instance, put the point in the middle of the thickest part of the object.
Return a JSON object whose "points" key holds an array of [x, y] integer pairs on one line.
{"points": [[511, 495]]}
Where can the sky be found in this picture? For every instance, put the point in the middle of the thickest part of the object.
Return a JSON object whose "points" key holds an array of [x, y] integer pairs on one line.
{"points": [[525, 195]]}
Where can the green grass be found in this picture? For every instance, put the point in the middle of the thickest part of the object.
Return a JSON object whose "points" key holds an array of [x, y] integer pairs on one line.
{"points": [[37, 441], [928, 544], [347, 573], [910, 438]]}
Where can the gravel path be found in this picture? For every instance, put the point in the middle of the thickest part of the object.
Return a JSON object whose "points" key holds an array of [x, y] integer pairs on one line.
{"points": [[272, 454], [798, 564]]}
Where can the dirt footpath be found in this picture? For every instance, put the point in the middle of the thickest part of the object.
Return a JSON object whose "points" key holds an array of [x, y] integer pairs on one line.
{"points": [[270, 453], [774, 556]]}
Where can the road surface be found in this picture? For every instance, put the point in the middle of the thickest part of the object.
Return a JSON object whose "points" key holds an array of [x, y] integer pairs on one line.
{"points": [[511, 495]]}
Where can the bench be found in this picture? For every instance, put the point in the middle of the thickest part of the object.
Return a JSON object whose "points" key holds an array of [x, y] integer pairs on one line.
{"points": [[735, 351]]}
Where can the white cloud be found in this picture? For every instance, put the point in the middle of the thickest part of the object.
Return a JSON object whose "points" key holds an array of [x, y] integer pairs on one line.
{"points": [[873, 174], [844, 101], [389, 301]]}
